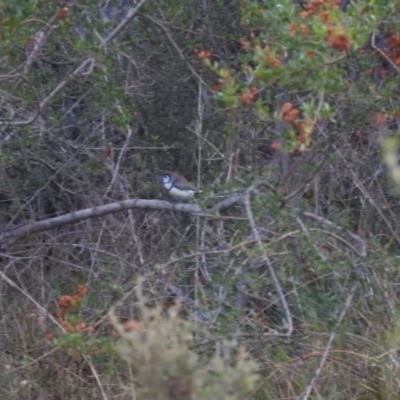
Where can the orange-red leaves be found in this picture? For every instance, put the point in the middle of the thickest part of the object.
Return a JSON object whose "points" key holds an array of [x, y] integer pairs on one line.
{"points": [[81, 290], [379, 118], [286, 108], [244, 44], [63, 13], [339, 42], [202, 54], [248, 96], [289, 114]]}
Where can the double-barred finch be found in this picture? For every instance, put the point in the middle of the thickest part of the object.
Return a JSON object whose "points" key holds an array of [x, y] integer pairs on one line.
{"points": [[178, 187]]}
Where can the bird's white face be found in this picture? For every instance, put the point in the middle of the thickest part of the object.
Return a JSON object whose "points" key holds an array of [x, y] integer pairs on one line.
{"points": [[167, 181]]}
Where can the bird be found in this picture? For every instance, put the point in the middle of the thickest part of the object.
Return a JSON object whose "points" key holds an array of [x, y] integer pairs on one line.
{"points": [[178, 187]]}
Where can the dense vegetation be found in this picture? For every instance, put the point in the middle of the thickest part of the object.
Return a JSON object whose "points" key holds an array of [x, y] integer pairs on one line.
{"points": [[281, 282]]}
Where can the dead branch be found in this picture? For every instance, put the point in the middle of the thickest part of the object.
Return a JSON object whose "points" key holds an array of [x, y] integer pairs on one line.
{"points": [[8, 238]]}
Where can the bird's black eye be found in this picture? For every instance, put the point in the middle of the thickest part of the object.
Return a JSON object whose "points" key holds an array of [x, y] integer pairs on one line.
{"points": [[166, 177]]}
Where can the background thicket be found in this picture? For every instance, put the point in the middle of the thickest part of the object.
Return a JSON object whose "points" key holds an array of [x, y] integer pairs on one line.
{"points": [[289, 111]]}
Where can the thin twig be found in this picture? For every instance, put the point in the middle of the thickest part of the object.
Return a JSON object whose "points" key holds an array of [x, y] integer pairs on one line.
{"points": [[267, 261], [361, 187], [37, 111], [362, 247], [87, 64], [373, 45], [129, 16], [96, 377], [194, 72], [325, 354], [38, 41], [36, 360], [200, 261], [306, 231], [31, 299], [303, 186]]}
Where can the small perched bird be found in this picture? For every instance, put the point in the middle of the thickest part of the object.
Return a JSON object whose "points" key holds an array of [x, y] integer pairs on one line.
{"points": [[178, 187]]}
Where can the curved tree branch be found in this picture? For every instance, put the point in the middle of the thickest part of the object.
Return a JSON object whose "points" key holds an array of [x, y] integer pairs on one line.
{"points": [[8, 238]]}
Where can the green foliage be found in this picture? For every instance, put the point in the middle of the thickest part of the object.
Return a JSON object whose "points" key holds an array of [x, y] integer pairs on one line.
{"points": [[282, 106], [301, 50]]}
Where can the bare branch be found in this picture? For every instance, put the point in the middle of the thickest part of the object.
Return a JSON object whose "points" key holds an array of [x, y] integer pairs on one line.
{"points": [[12, 236], [129, 16], [35, 48], [265, 259]]}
